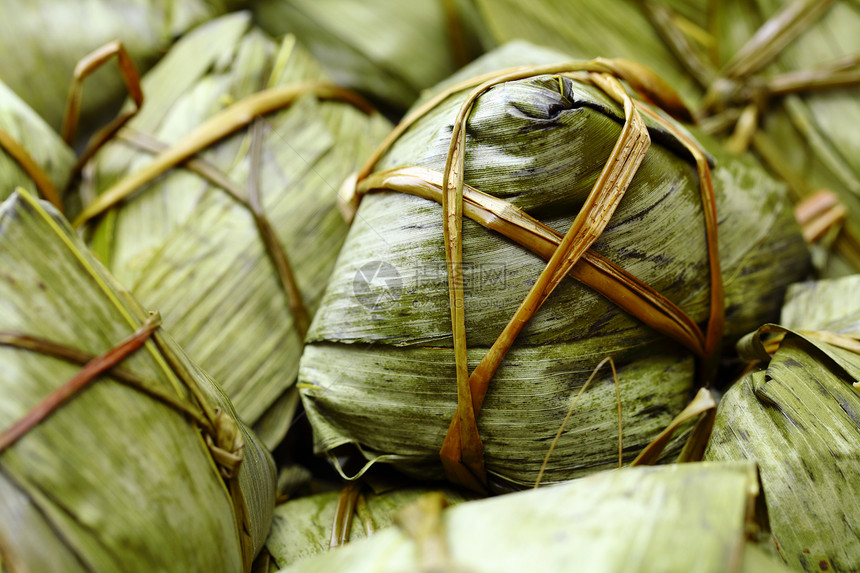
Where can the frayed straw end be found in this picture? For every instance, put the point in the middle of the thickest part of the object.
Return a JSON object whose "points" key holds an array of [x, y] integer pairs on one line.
{"points": [[819, 213], [348, 198]]}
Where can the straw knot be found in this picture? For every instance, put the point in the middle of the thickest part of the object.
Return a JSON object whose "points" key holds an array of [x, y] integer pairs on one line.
{"points": [[227, 445]]}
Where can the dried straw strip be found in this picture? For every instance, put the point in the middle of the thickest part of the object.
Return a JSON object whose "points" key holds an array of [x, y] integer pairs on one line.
{"points": [[43, 183], [653, 87], [701, 403], [663, 20], [850, 342], [120, 374], [570, 413], [216, 128], [276, 252], [819, 213], [86, 66], [456, 34], [343, 512], [588, 225]]}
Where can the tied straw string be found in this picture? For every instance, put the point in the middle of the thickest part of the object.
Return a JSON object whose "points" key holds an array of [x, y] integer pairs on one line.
{"points": [[77, 383], [231, 119], [579, 394], [211, 420], [343, 514], [593, 270], [85, 67], [462, 450]]}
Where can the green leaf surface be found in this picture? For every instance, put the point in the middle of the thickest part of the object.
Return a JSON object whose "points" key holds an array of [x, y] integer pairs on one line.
{"points": [[302, 527], [589, 29]]}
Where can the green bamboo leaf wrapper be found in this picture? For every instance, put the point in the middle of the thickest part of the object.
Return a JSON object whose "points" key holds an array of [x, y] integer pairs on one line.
{"points": [[386, 48], [797, 416], [688, 517], [42, 143], [378, 371], [114, 480], [302, 527], [187, 248], [42, 42]]}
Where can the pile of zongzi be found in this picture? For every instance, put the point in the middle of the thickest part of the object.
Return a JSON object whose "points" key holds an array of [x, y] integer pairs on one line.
{"points": [[386, 266]]}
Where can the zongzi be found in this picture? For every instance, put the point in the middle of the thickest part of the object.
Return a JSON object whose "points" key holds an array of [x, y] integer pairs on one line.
{"points": [[383, 369], [116, 452], [796, 414], [235, 245], [677, 518], [388, 49]]}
